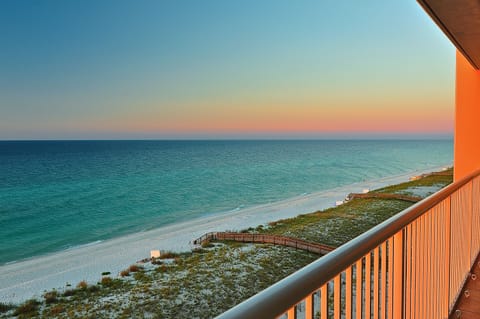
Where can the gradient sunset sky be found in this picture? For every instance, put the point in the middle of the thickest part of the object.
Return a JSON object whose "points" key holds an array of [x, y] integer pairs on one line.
{"points": [[222, 69]]}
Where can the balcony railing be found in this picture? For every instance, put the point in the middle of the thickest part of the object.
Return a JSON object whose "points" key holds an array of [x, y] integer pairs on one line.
{"points": [[413, 265]]}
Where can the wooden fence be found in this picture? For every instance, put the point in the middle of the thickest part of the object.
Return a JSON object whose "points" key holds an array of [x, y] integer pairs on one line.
{"points": [[408, 198]]}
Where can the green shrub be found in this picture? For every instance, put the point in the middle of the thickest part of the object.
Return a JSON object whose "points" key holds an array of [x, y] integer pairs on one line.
{"points": [[161, 269], [93, 288], [69, 292], [140, 276], [135, 268], [56, 310], [50, 297], [82, 285], [168, 255], [199, 251], [106, 281], [28, 309], [4, 307]]}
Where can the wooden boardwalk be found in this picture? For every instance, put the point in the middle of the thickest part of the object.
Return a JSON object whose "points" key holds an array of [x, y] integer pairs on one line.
{"points": [[412, 199], [266, 239]]}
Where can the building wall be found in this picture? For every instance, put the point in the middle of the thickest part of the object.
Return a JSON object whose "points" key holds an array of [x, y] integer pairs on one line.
{"points": [[467, 119]]}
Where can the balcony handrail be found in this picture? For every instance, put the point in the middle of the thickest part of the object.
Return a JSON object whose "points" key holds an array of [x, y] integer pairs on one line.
{"points": [[278, 298]]}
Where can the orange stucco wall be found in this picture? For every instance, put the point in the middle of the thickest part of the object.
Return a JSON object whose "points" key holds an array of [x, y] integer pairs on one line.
{"points": [[467, 119]]}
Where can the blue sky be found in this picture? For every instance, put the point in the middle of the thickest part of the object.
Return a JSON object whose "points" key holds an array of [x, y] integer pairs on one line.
{"points": [[157, 69]]}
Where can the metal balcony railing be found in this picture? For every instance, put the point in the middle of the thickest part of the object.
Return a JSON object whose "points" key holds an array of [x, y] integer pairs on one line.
{"points": [[413, 265]]}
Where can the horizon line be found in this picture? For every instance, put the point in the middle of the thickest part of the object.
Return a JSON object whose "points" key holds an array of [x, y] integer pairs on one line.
{"points": [[392, 138]]}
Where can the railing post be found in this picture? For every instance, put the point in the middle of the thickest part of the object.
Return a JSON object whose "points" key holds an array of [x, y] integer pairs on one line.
{"points": [[337, 296], [309, 307], [448, 249], [292, 313], [324, 302], [348, 293], [376, 271], [368, 285], [398, 259], [358, 288]]}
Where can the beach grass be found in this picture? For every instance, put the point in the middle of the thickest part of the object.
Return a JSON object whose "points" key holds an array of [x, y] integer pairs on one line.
{"points": [[191, 286], [335, 226], [4, 307], [29, 309], [442, 179]]}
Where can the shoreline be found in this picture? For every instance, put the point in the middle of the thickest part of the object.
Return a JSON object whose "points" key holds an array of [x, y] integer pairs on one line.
{"points": [[31, 277]]}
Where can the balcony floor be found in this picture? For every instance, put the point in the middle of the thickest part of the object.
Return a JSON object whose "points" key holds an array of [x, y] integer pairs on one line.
{"points": [[469, 307]]}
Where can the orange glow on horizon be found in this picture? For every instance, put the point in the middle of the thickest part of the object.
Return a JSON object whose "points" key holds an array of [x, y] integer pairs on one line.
{"points": [[291, 119]]}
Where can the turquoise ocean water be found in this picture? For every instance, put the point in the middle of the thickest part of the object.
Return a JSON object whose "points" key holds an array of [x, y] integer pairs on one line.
{"points": [[55, 195]]}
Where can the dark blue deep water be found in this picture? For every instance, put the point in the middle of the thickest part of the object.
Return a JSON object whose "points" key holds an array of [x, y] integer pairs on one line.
{"points": [[59, 194]]}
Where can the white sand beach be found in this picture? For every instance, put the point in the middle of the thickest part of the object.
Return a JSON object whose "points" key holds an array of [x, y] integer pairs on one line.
{"points": [[30, 278]]}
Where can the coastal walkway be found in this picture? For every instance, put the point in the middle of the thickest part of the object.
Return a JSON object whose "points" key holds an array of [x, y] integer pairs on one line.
{"points": [[412, 199], [266, 239]]}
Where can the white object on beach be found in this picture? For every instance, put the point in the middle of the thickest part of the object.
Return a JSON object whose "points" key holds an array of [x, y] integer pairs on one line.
{"points": [[365, 190], [154, 253], [338, 202]]}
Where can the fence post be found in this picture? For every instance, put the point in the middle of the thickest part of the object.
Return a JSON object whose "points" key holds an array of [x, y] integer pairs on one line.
{"points": [[398, 275]]}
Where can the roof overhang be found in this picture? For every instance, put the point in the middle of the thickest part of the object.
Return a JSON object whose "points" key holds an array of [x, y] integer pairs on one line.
{"points": [[460, 21]]}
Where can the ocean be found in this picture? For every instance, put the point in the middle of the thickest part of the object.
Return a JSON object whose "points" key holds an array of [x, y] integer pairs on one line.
{"points": [[57, 195]]}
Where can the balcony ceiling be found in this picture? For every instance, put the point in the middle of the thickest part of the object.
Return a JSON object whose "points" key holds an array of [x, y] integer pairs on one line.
{"points": [[460, 21]]}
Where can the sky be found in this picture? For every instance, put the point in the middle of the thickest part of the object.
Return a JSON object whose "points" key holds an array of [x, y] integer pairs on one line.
{"points": [[222, 69]]}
